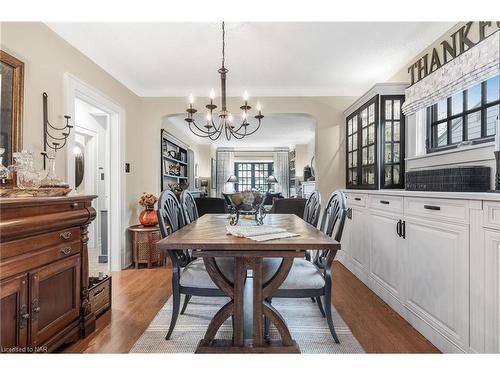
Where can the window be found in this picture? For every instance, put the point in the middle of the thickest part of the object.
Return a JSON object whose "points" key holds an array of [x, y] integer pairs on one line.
{"points": [[252, 175], [467, 116], [392, 139]]}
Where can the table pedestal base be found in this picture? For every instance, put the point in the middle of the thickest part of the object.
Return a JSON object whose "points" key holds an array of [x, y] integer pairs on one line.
{"points": [[248, 306]]}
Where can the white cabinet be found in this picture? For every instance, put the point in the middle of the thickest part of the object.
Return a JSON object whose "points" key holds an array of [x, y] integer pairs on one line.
{"points": [[386, 257], [492, 291], [355, 244], [437, 280]]}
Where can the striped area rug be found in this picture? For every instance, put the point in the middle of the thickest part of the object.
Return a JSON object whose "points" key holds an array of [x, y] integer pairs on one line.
{"points": [[304, 320]]}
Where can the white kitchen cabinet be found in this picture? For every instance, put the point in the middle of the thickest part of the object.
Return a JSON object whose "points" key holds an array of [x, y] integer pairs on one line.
{"points": [[437, 280], [386, 257], [492, 291], [358, 242]]}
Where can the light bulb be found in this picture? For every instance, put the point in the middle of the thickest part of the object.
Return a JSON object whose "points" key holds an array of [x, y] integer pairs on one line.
{"points": [[212, 94], [244, 115], [230, 118], [245, 96], [258, 107], [208, 117], [191, 99]]}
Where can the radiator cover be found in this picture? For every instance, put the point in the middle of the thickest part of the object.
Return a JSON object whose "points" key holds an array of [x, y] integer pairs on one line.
{"points": [[462, 179]]}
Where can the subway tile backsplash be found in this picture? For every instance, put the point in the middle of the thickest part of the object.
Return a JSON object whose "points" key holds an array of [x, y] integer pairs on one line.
{"points": [[462, 179]]}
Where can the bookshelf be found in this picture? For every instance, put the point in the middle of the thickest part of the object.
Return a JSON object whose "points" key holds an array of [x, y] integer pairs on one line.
{"points": [[174, 160]]}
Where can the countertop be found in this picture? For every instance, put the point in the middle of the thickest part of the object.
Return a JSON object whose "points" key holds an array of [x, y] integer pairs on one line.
{"points": [[485, 196]]}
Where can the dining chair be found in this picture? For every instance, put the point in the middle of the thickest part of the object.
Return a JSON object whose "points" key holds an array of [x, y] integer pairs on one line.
{"points": [[189, 208], [289, 206], [210, 206], [189, 276], [313, 278], [312, 208]]}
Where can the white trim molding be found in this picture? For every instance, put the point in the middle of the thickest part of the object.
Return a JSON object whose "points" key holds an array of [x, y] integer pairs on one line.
{"points": [[75, 88]]}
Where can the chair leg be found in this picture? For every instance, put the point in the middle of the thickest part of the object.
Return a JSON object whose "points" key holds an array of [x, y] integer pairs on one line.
{"points": [[328, 311], [267, 324], [175, 309], [187, 298], [320, 307]]}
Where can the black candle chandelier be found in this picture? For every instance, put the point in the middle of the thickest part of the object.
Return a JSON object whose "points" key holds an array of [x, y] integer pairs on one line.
{"points": [[226, 124]]}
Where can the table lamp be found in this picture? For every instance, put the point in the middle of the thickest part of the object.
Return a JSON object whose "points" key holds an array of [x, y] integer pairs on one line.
{"points": [[232, 179]]}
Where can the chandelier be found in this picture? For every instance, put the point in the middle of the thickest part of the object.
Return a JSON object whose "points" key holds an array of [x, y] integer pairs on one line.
{"points": [[226, 123]]}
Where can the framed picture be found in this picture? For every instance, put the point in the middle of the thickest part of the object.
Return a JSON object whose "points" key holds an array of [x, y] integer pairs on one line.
{"points": [[213, 176]]}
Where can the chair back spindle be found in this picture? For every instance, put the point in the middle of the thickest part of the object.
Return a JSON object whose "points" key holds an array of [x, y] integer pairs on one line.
{"points": [[312, 208], [189, 207]]}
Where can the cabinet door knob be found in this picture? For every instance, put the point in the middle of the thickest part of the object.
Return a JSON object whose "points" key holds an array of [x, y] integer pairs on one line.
{"points": [[65, 236], [66, 250]]}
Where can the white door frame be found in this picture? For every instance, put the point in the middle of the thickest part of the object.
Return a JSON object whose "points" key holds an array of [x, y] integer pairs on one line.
{"points": [[75, 88]]}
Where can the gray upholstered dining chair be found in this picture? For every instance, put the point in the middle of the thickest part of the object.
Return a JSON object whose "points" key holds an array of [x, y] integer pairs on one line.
{"points": [[313, 278], [189, 276]]}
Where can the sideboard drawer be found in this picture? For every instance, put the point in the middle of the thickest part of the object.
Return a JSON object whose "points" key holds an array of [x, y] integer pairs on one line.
{"points": [[491, 214], [33, 243], [390, 203], [354, 199], [438, 209], [31, 260]]}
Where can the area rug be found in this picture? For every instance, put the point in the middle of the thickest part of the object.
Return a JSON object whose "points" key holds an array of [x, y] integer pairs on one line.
{"points": [[303, 318]]}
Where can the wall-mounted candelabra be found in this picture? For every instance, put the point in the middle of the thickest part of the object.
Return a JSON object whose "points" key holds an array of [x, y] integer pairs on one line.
{"points": [[54, 139]]}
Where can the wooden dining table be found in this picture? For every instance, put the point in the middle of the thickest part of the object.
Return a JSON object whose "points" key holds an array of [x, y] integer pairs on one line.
{"points": [[248, 293]]}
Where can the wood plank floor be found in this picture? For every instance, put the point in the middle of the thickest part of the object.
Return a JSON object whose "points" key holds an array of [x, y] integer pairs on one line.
{"points": [[139, 294]]}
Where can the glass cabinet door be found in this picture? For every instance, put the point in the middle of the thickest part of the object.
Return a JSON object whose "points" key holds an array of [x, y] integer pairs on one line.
{"points": [[352, 150], [361, 149], [392, 153]]}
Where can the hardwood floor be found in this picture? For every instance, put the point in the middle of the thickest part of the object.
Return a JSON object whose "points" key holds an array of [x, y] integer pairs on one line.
{"points": [[139, 294]]}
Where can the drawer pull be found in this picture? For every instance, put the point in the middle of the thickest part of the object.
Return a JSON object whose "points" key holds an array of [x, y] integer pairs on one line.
{"points": [[357, 199], [35, 309], [434, 208], [65, 236], [66, 250], [384, 202], [99, 292]]}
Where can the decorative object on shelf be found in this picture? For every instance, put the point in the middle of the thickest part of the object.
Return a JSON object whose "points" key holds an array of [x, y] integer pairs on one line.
{"points": [[307, 172], [173, 154], [313, 172], [174, 170], [248, 204], [28, 178], [54, 138], [225, 124], [148, 216], [178, 187], [79, 165]]}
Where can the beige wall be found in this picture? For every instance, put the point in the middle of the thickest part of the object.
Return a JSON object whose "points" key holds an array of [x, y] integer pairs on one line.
{"points": [[330, 133], [303, 155], [47, 57]]}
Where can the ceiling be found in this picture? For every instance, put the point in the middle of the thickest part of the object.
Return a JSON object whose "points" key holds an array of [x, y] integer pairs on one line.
{"points": [[266, 59], [276, 130]]}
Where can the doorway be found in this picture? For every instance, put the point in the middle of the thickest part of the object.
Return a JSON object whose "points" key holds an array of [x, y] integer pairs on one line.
{"points": [[91, 154], [98, 139]]}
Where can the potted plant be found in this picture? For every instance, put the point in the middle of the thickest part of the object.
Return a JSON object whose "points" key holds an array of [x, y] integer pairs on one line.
{"points": [[148, 216]]}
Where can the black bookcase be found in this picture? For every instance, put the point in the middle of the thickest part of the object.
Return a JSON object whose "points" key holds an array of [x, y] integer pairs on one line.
{"points": [[174, 161]]}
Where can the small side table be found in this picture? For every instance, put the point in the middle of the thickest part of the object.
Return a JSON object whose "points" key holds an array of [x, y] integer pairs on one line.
{"points": [[144, 240]]}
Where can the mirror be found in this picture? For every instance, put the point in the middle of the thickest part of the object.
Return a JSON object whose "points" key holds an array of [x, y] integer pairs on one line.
{"points": [[79, 165], [11, 92]]}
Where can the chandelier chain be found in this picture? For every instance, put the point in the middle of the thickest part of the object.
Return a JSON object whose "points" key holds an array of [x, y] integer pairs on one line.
{"points": [[223, 44]]}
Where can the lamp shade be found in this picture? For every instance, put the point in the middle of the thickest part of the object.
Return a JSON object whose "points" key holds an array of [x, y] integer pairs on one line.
{"points": [[272, 180], [232, 178]]}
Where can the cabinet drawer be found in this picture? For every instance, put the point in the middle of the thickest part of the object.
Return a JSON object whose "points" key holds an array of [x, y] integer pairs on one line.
{"points": [[33, 243], [389, 203], [491, 214], [439, 209], [26, 262], [354, 199]]}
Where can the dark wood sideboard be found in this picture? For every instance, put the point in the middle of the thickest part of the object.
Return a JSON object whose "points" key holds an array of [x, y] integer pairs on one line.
{"points": [[44, 299]]}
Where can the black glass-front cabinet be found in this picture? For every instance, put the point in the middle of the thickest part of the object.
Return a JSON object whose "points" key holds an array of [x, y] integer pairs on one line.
{"points": [[375, 144]]}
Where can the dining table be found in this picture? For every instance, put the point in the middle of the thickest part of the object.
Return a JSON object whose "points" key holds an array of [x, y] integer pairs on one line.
{"points": [[249, 294]]}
